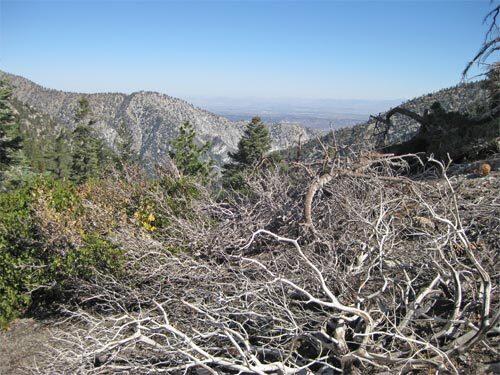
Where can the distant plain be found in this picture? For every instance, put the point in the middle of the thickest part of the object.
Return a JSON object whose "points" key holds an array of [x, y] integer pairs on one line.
{"points": [[322, 114]]}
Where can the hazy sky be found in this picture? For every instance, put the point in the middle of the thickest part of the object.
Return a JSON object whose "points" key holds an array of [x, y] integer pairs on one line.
{"points": [[305, 49]]}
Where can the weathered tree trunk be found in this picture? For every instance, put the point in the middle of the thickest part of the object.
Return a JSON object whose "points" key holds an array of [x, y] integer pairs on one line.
{"points": [[445, 133]]}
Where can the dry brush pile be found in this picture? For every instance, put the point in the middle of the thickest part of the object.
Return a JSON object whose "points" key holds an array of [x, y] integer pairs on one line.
{"points": [[347, 266]]}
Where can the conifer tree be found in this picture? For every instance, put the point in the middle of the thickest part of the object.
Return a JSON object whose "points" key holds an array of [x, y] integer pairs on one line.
{"points": [[85, 161], [82, 110], [252, 147], [124, 145], [90, 155], [10, 140], [254, 144], [493, 84], [190, 158], [59, 156]]}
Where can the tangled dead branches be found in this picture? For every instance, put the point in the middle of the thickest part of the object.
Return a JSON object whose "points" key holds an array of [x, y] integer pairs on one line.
{"points": [[397, 276]]}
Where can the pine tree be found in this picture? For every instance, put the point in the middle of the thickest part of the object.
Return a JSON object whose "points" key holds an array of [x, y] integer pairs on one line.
{"points": [[10, 140], [18, 172], [90, 155], [190, 158], [85, 161], [124, 146], [82, 110], [252, 148], [59, 156], [254, 144]]}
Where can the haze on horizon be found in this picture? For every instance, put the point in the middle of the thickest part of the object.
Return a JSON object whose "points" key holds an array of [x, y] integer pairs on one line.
{"points": [[266, 50]]}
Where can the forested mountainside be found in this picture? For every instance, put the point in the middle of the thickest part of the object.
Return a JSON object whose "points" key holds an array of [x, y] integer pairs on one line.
{"points": [[152, 119], [471, 98]]}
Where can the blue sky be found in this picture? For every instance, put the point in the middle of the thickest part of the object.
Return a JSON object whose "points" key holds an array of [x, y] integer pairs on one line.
{"points": [[264, 49]]}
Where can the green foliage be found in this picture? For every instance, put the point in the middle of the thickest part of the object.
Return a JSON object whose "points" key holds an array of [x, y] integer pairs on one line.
{"points": [[180, 193], [252, 148], [254, 144], [82, 110], [234, 177], [59, 157], [492, 84], [126, 154], [450, 134], [96, 253], [148, 215], [85, 146], [177, 195], [10, 139], [86, 154], [18, 241], [48, 147], [191, 159], [26, 262], [79, 155], [45, 146], [61, 195], [19, 171], [90, 155]]}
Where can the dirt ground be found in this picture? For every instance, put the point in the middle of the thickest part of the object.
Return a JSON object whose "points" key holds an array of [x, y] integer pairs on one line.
{"points": [[21, 344]]}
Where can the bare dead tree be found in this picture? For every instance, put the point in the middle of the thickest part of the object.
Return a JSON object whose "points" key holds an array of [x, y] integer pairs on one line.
{"points": [[491, 40]]}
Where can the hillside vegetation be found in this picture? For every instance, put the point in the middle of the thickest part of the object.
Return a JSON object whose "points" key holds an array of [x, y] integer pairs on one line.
{"points": [[151, 119], [342, 259]]}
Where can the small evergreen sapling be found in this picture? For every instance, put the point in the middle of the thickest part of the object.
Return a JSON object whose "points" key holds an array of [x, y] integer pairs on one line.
{"points": [[190, 158]]}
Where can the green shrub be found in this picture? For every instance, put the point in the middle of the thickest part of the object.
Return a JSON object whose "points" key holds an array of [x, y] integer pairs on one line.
{"points": [[153, 207], [27, 261], [234, 179], [147, 216], [18, 241], [96, 254], [180, 193]]}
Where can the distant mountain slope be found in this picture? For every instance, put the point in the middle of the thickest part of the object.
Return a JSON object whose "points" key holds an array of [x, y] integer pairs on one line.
{"points": [[463, 97], [152, 118]]}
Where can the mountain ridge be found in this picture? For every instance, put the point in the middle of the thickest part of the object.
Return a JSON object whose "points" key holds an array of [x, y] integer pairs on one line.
{"points": [[152, 118], [467, 97]]}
